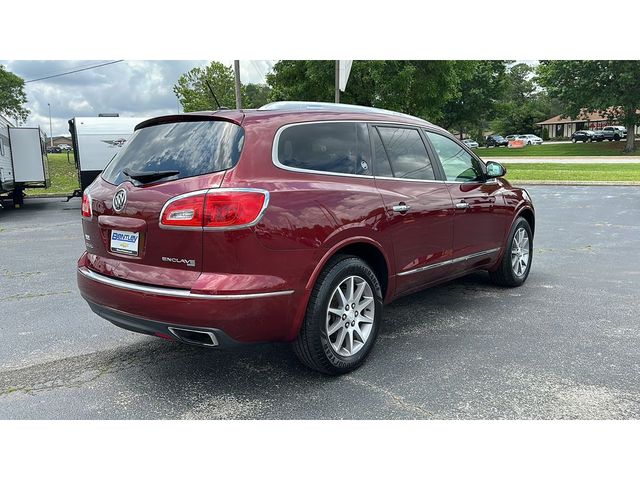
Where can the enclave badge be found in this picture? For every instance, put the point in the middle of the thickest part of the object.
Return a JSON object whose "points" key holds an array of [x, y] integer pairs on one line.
{"points": [[188, 263]]}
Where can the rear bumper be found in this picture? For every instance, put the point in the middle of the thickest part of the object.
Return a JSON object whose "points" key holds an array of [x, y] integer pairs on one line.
{"points": [[150, 327], [258, 316]]}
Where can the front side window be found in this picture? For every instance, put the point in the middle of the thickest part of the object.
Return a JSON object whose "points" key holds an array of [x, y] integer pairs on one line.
{"points": [[407, 153], [332, 147], [189, 148], [459, 165]]}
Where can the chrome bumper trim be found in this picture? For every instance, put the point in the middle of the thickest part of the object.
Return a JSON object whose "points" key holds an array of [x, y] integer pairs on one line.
{"points": [[449, 262], [172, 292]]}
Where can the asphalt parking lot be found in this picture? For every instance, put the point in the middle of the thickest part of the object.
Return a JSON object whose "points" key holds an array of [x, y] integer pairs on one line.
{"points": [[565, 345]]}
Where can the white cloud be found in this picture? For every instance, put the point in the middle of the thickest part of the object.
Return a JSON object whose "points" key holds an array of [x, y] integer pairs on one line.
{"points": [[130, 88]]}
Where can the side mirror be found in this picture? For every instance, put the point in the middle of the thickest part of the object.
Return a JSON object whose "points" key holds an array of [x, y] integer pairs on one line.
{"points": [[495, 170]]}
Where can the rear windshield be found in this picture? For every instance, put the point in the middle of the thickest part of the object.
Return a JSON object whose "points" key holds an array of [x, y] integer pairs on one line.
{"points": [[191, 148]]}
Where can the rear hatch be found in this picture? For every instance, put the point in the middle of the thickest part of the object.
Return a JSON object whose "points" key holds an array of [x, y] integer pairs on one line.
{"points": [[162, 160]]}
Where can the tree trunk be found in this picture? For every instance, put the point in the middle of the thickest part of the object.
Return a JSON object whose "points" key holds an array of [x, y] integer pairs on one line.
{"points": [[630, 147]]}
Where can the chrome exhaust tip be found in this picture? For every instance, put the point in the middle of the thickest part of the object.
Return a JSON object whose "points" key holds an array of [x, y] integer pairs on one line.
{"points": [[201, 338]]}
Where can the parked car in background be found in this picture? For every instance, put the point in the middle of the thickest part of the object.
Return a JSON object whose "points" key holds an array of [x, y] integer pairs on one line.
{"points": [[614, 132], [496, 141], [294, 222], [65, 148], [54, 149], [587, 136], [511, 138], [470, 143], [530, 139]]}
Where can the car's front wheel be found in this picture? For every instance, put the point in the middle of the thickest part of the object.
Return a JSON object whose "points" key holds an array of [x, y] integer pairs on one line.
{"points": [[342, 319], [514, 267]]}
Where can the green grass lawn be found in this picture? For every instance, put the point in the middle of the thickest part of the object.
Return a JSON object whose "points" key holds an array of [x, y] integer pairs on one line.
{"points": [[606, 172], [605, 148], [63, 174], [64, 177]]}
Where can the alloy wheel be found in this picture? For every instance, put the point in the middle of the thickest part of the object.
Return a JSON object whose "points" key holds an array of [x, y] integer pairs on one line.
{"points": [[350, 316], [520, 252]]}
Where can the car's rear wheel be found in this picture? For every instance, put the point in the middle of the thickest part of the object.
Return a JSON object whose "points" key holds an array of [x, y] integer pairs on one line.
{"points": [[343, 317], [616, 137], [516, 259]]}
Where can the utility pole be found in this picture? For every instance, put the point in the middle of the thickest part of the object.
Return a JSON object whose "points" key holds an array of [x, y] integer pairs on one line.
{"points": [[337, 97], [50, 129], [236, 69]]}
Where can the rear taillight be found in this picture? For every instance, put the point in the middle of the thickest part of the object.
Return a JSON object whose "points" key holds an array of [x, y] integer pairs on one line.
{"points": [[183, 211], [86, 205], [215, 209]]}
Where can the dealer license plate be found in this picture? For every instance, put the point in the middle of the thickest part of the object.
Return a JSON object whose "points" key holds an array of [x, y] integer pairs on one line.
{"points": [[125, 242]]}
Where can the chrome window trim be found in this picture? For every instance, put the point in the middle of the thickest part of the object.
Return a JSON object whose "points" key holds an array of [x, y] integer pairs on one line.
{"points": [[173, 292], [276, 141], [464, 258], [215, 190]]}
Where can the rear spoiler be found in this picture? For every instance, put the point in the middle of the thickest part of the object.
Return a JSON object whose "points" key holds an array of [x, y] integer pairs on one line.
{"points": [[231, 116]]}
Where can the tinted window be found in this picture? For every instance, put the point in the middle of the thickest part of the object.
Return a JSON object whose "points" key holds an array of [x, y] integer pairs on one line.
{"points": [[459, 165], [341, 147], [191, 148], [407, 153], [381, 165]]}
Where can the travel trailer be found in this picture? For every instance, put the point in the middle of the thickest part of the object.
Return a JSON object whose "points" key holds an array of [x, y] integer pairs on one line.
{"points": [[23, 160], [96, 140]]}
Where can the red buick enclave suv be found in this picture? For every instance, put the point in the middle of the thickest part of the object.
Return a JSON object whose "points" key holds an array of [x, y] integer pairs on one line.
{"points": [[294, 222]]}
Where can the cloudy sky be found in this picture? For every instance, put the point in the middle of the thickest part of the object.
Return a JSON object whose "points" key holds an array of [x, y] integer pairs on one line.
{"points": [[130, 88]]}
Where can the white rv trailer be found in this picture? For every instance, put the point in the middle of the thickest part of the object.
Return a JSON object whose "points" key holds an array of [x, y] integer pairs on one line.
{"points": [[6, 167], [96, 140], [23, 160]]}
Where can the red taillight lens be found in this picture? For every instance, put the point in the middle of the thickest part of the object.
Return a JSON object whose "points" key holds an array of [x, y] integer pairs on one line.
{"points": [[224, 208], [184, 212], [86, 205], [233, 208]]}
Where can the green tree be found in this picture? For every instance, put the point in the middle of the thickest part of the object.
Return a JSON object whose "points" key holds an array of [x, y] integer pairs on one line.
{"points": [[418, 88], [482, 85], [255, 95], [611, 87], [194, 93], [523, 103], [12, 95]]}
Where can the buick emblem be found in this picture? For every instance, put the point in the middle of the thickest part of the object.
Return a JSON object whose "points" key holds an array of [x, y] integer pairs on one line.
{"points": [[119, 200]]}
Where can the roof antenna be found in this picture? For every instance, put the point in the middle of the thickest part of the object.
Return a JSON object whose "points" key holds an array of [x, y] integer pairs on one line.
{"points": [[214, 95]]}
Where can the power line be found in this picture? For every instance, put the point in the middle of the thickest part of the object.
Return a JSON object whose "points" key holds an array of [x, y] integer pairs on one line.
{"points": [[73, 71]]}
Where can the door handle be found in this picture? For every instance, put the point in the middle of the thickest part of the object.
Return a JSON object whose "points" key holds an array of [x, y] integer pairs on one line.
{"points": [[401, 207], [462, 205]]}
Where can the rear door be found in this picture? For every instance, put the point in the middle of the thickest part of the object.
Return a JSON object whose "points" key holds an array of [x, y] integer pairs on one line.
{"points": [[159, 163], [480, 213], [418, 206]]}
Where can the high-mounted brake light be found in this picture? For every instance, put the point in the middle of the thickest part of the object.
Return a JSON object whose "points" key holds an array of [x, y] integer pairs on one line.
{"points": [[86, 205], [224, 209]]}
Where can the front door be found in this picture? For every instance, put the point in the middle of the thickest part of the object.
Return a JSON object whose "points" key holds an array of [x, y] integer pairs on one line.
{"points": [[480, 212], [417, 204]]}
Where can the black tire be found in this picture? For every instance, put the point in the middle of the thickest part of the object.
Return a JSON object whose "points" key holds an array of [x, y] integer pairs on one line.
{"points": [[616, 138], [573, 140], [504, 274], [312, 346]]}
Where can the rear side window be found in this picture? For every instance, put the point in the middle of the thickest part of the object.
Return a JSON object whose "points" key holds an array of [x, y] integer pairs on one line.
{"points": [[340, 147], [407, 153], [191, 148]]}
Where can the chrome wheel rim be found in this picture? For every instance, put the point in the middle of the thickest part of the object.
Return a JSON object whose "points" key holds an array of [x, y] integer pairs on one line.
{"points": [[520, 252], [350, 316]]}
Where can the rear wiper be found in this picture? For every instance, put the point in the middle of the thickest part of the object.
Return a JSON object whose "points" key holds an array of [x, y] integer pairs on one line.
{"points": [[146, 177]]}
